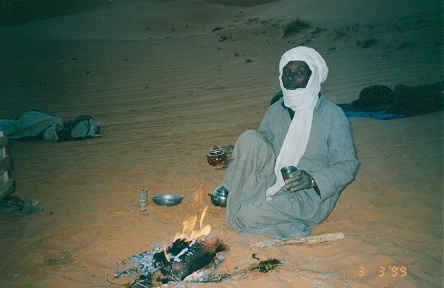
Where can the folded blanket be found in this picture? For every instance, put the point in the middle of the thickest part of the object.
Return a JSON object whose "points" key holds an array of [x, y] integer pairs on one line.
{"points": [[13, 205], [35, 124]]}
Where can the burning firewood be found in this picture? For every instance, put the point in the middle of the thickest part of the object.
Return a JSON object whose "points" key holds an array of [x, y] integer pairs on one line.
{"points": [[175, 262], [185, 257]]}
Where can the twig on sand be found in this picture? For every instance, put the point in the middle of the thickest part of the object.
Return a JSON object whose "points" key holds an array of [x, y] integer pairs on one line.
{"points": [[301, 241]]}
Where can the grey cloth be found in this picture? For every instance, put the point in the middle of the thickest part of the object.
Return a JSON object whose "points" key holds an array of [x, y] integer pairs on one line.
{"points": [[329, 158], [32, 124], [39, 125], [13, 205]]}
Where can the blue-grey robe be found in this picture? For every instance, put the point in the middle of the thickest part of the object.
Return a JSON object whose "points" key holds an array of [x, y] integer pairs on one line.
{"points": [[329, 158]]}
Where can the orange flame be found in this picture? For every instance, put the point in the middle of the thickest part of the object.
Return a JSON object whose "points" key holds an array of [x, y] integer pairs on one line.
{"points": [[188, 231], [165, 252]]}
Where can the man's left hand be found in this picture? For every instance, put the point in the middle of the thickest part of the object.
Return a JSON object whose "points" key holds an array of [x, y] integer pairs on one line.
{"points": [[298, 180]]}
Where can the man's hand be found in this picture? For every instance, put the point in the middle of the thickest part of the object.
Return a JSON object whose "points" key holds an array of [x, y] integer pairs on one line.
{"points": [[298, 180]]}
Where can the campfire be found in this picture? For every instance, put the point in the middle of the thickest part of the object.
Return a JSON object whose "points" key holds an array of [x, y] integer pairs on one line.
{"points": [[191, 251], [193, 256]]}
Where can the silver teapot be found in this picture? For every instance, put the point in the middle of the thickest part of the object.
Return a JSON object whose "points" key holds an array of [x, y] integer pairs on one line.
{"points": [[219, 196]]}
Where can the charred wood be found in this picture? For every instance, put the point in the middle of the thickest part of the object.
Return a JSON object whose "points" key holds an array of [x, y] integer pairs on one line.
{"points": [[175, 262]]}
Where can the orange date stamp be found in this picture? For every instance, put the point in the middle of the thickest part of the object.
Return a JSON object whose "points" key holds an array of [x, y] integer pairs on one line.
{"points": [[386, 271]]}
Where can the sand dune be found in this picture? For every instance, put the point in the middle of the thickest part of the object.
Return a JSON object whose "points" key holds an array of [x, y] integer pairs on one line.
{"points": [[167, 80]]}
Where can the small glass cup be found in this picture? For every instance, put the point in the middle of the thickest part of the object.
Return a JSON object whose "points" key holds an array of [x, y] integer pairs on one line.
{"points": [[143, 198], [287, 170]]}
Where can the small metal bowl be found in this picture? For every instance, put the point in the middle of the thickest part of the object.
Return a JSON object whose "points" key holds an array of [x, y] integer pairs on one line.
{"points": [[167, 199]]}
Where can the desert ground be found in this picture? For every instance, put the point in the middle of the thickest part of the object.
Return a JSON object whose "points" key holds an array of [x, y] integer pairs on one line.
{"points": [[167, 80]]}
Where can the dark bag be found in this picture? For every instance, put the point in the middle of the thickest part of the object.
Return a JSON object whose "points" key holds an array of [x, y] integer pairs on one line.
{"points": [[374, 98], [82, 127], [416, 100]]}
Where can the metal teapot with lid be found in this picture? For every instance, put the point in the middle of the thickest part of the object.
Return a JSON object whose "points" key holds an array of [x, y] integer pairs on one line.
{"points": [[217, 157], [219, 196]]}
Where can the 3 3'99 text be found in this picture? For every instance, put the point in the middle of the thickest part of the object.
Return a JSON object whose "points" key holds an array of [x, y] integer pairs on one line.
{"points": [[393, 271]]}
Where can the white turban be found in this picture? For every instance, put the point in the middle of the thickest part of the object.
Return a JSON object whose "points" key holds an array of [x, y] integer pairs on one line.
{"points": [[302, 101]]}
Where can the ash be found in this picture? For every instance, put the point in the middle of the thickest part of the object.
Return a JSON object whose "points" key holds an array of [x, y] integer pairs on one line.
{"points": [[144, 264]]}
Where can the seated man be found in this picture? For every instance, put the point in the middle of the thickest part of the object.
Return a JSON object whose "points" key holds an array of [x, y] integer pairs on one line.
{"points": [[302, 129]]}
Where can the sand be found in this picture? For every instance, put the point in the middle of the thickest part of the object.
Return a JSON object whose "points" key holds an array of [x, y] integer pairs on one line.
{"points": [[167, 80]]}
